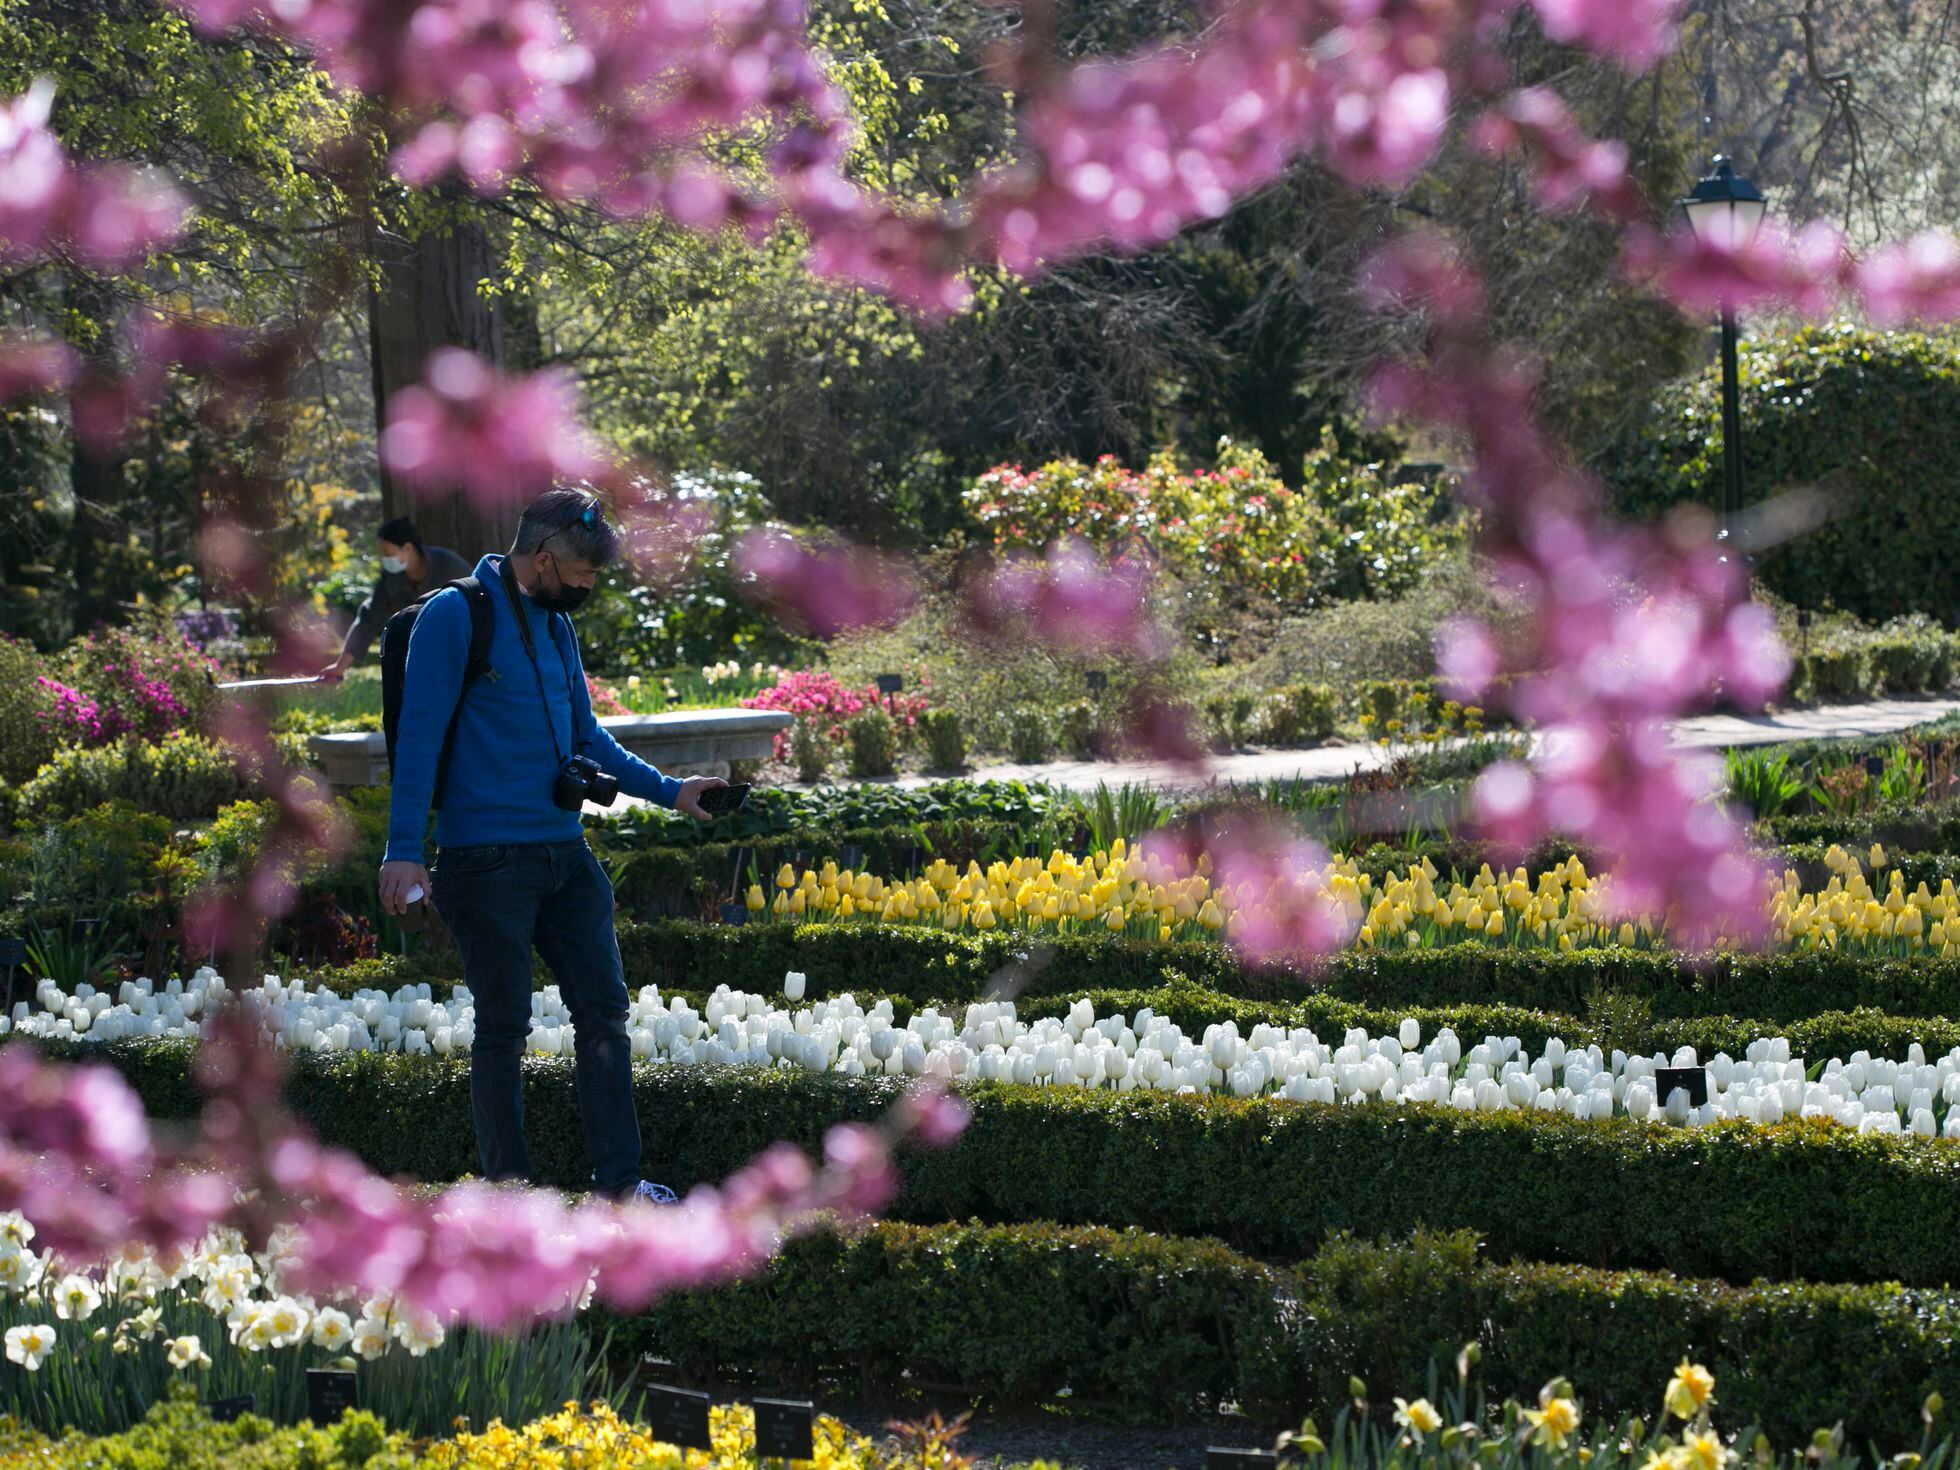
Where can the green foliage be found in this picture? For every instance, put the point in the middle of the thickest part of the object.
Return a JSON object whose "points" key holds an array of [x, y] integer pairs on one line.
{"points": [[1083, 734], [810, 749], [182, 776], [873, 741], [1789, 1200], [95, 862], [1229, 718], [1348, 531], [1857, 415], [945, 740], [1030, 735], [1295, 714], [815, 817], [177, 1434], [1181, 1326], [1761, 780], [930, 965], [696, 614], [27, 741]]}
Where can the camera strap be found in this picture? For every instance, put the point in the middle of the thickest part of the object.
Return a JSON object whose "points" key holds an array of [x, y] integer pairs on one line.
{"points": [[517, 610]]}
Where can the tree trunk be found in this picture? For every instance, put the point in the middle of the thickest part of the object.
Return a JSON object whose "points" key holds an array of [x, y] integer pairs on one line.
{"points": [[429, 297]]}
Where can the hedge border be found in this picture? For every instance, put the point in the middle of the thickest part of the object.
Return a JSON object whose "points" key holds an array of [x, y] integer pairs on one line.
{"points": [[1161, 1325], [932, 966], [1269, 1176]]}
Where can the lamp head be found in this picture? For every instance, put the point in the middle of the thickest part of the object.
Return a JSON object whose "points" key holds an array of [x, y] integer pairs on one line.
{"points": [[1724, 209]]}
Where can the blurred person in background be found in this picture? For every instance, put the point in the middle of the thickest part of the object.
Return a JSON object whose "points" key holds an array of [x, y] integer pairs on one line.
{"points": [[409, 568]]}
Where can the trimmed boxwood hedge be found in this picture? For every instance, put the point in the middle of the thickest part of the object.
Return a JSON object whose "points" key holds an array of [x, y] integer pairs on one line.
{"points": [[1151, 1325], [1734, 1200], [934, 967]]}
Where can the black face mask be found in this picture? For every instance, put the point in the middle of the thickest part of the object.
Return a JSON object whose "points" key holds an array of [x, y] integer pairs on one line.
{"points": [[565, 600]]}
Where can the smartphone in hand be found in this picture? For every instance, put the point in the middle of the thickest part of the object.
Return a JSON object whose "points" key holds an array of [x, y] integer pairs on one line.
{"points": [[721, 800]]}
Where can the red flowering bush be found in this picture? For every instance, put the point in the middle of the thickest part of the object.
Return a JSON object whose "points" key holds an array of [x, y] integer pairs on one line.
{"points": [[121, 681], [605, 698], [819, 696], [1348, 532]]}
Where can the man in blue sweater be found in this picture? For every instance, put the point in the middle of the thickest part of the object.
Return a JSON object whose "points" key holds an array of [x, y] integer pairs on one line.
{"points": [[513, 868]]}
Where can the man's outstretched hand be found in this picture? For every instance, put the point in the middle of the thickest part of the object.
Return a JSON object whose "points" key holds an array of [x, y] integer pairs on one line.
{"points": [[689, 801], [398, 880]]}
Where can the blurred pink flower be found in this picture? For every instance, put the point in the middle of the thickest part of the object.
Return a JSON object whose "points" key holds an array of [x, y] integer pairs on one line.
{"points": [[822, 588], [1635, 32], [1915, 280], [31, 366], [496, 437], [1071, 599]]}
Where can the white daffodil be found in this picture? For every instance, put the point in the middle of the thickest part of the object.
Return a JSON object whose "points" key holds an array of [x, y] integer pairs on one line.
{"points": [[20, 1270], [331, 1329], [28, 1345], [418, 1333], [371, 1337], [145, 1324], [76, 1298], [186, 1352], [287, 1322], [16, 1230]]}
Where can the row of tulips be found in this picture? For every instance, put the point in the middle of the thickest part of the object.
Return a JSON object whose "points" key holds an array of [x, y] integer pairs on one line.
{"points": [[92, 1345], [1148, 895], [989, 1042]]}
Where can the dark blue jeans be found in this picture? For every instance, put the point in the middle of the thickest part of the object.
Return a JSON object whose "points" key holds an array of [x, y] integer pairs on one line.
{"points": [[499, 901]]}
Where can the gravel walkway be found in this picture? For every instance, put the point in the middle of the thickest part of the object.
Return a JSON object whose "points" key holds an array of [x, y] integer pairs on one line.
{"points": [[996, 1442], [1336, 762]]}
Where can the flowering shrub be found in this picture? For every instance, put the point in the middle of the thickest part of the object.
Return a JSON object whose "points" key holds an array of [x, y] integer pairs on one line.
{"points": [[223, 1316], [605, 698], [27, 731], [1349, 531], [183, 776], [820, 697], [118, 682]]}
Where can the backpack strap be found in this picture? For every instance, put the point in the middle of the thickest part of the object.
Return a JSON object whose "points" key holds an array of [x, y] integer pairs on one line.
{"points": [[483, 627]]}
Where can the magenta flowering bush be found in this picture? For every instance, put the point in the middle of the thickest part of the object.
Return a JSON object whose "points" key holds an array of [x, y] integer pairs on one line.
{"points": [[118, 682], [819, 696]]}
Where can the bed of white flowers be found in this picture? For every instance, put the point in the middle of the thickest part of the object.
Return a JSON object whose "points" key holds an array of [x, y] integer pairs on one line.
{"points": [[93, 1346], [988, 1041]]}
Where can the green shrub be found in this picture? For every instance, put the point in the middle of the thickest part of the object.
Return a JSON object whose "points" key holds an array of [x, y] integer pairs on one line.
{"points": [[96, 861], [183, 776], [810, 749], [27, 739], [931, 965], [1792, 1200], [1843, 674], [945, 740], [873, 741], [1082, 730], [1859, 415], [1154, 1325], [1030, 736], [178, 1433], [1228, 718], [1295, 714]]}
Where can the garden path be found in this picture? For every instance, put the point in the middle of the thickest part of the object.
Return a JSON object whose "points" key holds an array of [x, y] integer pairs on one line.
{"points": [[1333, 763]]}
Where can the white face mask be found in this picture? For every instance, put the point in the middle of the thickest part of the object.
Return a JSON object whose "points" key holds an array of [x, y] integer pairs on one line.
{"points": [[393, 564]]}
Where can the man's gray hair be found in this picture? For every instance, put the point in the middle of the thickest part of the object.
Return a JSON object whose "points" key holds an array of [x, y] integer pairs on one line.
{"points": [[574, 520]]}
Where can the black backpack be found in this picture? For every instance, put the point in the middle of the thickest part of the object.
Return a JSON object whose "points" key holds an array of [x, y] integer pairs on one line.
{"points": [[394, 667]]}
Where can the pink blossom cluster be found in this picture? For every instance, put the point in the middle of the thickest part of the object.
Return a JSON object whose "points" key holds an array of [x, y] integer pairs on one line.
{"points": [[107, 217], [1569, 169], [1070, 599], [1628, 629], [822, 588], [589, 99], [1273, 877], [78, 1158], [499, 438], [127, 684], [77, 719]]}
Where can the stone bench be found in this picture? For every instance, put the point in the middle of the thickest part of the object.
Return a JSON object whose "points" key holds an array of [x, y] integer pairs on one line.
{"points": [[681, 743]]}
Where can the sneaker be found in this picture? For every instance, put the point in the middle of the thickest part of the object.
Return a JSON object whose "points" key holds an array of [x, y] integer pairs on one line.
{"points": [[655, 1194]]}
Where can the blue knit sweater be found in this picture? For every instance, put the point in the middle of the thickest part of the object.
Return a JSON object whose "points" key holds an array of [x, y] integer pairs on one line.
{"points": [[503, 764]]}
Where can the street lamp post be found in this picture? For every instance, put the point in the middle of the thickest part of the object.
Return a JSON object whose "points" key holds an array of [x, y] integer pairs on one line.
{"points": [[1725, 210]]}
